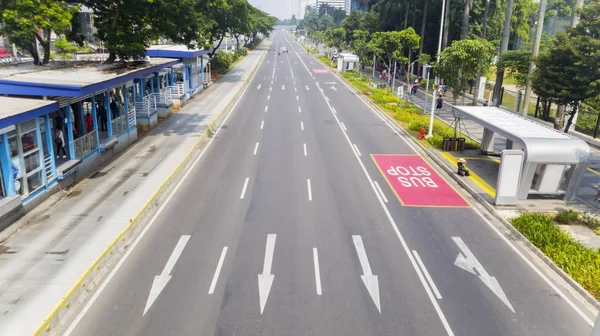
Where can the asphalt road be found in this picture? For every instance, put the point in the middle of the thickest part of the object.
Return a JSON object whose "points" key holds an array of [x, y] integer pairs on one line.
{"points": [[280, 229]]}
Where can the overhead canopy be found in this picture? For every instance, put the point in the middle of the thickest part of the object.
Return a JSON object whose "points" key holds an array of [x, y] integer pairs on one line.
{"points": [[174, 51], [540, 143], [348, 57], [17, 110]]}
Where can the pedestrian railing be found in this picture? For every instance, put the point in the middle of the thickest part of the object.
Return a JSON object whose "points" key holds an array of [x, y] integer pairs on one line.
{"points": [[145, 107], [176, 90], [131, 113], [86, 145], [48, 167], [164, 97], [119, 125]]}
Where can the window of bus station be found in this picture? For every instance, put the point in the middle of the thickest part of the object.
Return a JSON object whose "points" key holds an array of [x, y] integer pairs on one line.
{"points": [[26, 157]]}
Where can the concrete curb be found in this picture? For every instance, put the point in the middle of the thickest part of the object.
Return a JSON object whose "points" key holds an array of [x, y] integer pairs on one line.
{"points": [[516, 234], [74, 301]]}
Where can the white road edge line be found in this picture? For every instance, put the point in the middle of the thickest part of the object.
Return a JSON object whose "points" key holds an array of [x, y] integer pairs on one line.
{"points": [[333, 110], [355, 147], [343, 126], [213, 284], [244, 188], [262, 124], [153, 219], [317, 271], [302, 125], [309, 190], [427, 276], [255, 149], [305, 153], [380, 191]]}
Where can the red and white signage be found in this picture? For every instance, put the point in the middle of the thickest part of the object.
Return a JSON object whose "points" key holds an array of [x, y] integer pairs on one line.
{"points": [[416, 183], [320, 71]]}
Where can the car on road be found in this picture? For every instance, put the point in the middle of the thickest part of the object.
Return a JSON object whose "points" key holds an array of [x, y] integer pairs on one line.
{"points": [[284, 50]]}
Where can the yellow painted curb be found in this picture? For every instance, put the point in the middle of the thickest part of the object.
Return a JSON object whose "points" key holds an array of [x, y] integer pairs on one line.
{"points": [[473, 177], [65, 302]]}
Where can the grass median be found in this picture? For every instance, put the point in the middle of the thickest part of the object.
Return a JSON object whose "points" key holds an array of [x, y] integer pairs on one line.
{"points": [[580, 262], [408, 115]]}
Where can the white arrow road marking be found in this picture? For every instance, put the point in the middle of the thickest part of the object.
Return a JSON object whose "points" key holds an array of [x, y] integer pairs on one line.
{"points": [[380, 191], [160, 281], [333, 88], [258, 87], [317, 271], [370, 280], [467, 261], [213, 284], [265, 280], [306, 86], [283, 87], [427, 276]]}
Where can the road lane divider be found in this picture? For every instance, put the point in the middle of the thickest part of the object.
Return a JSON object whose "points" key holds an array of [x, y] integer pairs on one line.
{"points": [[266, 108], [244, 188], [380, 191], [356, 149], [309, 189], [255, 149], [305, 153], [262, 124], [302, 125], [317, 271], [92, 282], [434, 288], [215, 278], [299, 109]]}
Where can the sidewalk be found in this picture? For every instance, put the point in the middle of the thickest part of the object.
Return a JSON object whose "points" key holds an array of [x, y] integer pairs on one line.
{"points": [[41, 262]]}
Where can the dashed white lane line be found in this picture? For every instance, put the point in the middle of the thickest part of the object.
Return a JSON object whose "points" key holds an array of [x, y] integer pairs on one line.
{"points": [[380, 191], [305, 153], [283, 87], [213, 284], [255, 149], [334, 111], [244, 188], [269, 97], [270, 88], [317, 271], [309, 189], [356, 148], [427, 276], [262, 124], [266, 108], [343, 126], [302, 125], [299, 109], [297, 98], [295, 89]]}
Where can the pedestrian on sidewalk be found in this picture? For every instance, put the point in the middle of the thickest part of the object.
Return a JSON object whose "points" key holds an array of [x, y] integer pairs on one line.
{"points": [[89, 123], [485, 103], [59, 140], [439, 103]]}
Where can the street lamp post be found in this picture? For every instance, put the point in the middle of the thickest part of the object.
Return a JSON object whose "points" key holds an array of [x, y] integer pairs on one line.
{"points": [[437, 80], [426, 68]]}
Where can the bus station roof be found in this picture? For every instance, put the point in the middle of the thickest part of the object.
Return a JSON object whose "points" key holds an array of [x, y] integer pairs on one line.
{"points": [[74, 79], [17, 110], [174, 51], [541, 143]]}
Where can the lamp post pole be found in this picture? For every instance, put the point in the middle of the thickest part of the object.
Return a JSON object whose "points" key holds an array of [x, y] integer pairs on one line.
{"points": [[437, 80]]}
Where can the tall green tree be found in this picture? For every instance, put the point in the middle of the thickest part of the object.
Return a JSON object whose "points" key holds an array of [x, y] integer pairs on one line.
{"points": [[359, 44], [28, 21], [336, 38]]}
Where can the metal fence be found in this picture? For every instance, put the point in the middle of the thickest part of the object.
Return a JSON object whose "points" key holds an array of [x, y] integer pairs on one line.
{"points": [[176, 90], [119, 125], [131, 111], [86, 145], [164, 97], [146, 106]]}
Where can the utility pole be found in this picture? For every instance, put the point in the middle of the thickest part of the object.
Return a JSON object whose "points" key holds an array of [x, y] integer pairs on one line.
{"points": [[575, 17], [483, 34], [437, 79], [534, 53], [503, 48]]}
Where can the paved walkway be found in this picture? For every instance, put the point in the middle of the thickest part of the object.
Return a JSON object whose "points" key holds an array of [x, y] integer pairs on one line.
{"points": [[42, 261]]}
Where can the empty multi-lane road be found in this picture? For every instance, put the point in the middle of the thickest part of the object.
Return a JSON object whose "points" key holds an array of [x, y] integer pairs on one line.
{"points": [[309, 214]]}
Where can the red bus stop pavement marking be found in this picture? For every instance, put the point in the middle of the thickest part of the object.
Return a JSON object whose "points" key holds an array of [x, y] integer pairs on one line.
{"points": [[320, 71], [416, 183]]}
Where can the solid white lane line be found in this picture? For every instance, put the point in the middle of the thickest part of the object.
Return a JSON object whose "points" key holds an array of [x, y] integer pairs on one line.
{"points": [[266, 108], [432, 299], [297, 98], [343, 126], [255, 148], [317, 271], [244, 188], [309, 190], [427, 276], [357, 151], [305, 153], [302, 125], [262, 124], [380, 191], [299, 109], [213, 284], [334, 111]]}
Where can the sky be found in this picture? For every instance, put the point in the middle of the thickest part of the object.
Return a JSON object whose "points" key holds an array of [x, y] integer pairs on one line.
{"points": [[279, 8]]}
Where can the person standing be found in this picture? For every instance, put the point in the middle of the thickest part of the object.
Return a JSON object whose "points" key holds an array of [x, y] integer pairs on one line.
{"points": [[89, 123], [59, 140], [439, 103]]}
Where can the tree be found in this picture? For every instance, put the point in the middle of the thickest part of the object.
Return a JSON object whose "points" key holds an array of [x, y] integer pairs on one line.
{"points": [[64, 47], [359, 44], [336, 38], [326, 22], [460, 61], [28, 21], [394, 45], [516, 65]]}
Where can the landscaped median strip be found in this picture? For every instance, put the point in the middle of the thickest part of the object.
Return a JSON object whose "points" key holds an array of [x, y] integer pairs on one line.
{"points": [[95, 274]]}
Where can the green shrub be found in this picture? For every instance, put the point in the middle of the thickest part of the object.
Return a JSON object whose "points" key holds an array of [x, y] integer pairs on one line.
{"points": [[416, 124], [221, 61], [436, 140], [566, 217], [590, 221], [580, 262]]}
